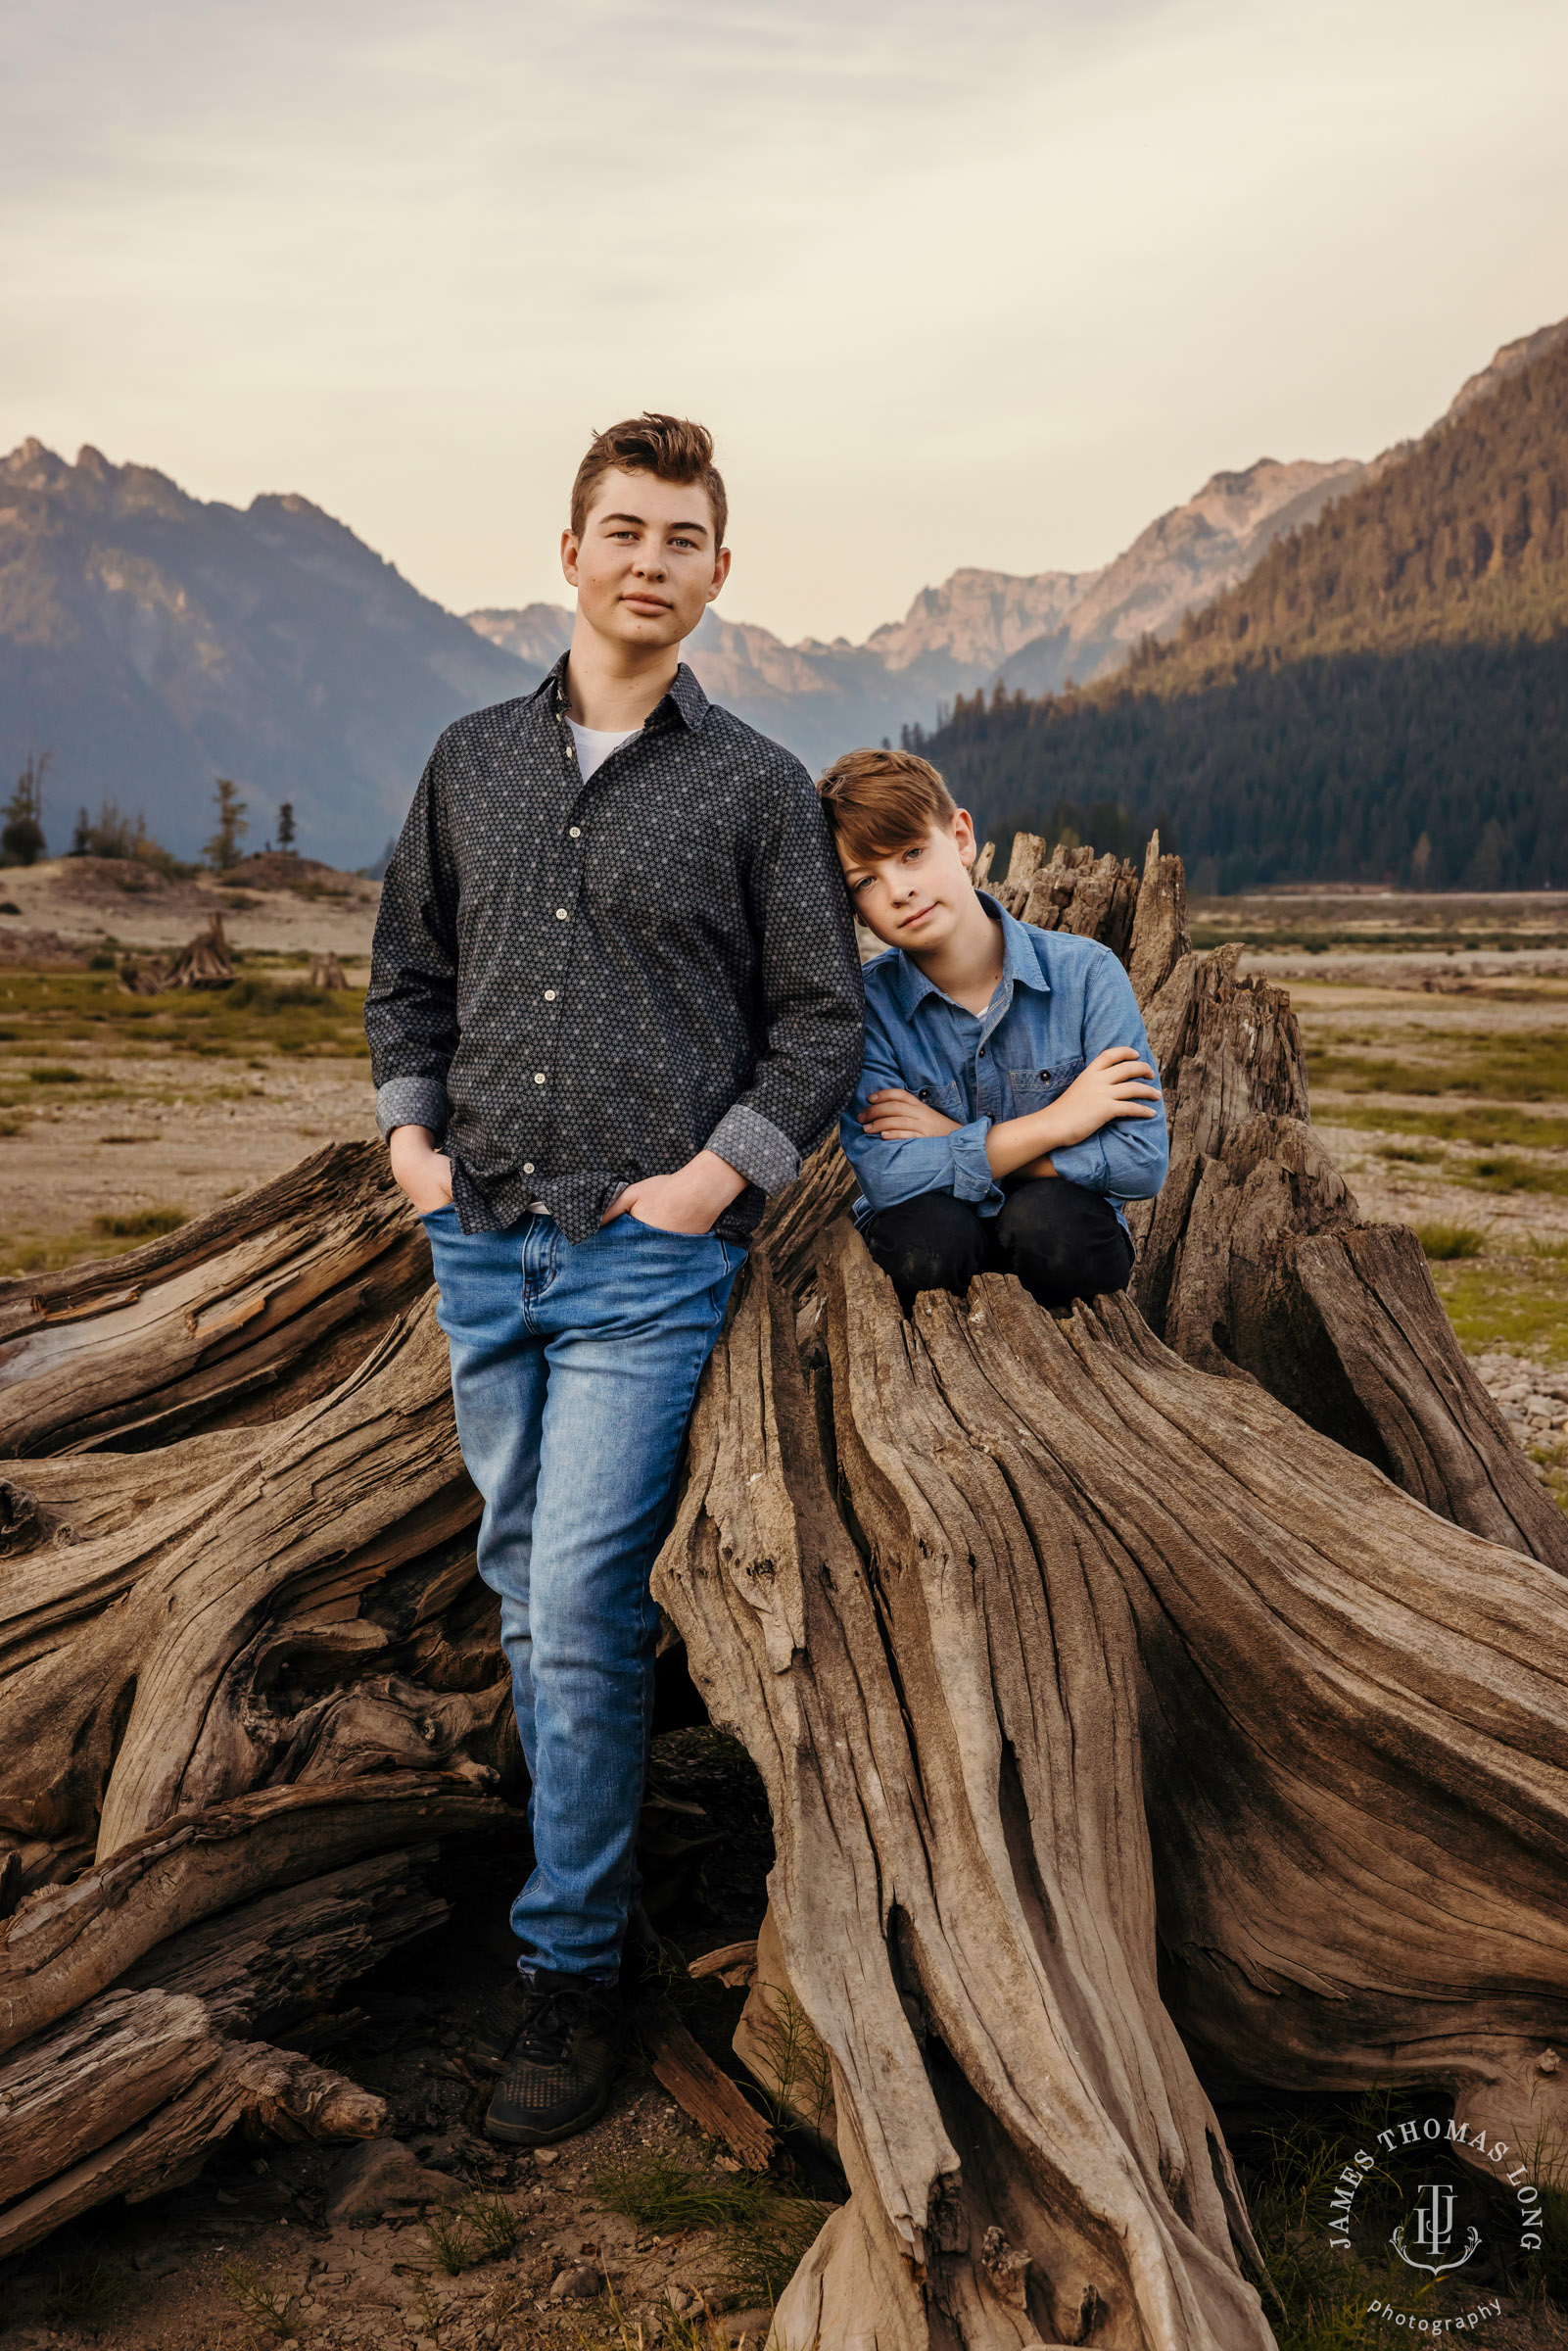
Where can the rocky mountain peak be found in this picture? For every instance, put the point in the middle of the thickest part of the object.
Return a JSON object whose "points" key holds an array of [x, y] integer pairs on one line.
{"points": [[1507, 360]]}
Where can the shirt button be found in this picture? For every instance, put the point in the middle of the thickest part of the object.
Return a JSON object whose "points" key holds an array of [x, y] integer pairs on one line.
{"points": [[539, 1076], [577, 832], [549, 995], [527, 1167], [560, 914], [982, 1052]]}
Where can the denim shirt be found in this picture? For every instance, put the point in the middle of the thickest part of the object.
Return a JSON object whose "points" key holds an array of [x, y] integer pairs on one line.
{"points": [[1061, 1000]]}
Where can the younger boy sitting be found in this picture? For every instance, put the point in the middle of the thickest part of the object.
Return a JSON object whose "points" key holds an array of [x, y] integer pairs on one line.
{"points": [[1008, 1106]]}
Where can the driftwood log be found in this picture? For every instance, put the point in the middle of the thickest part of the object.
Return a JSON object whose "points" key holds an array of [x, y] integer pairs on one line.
{"points": [[1133, 1691]]}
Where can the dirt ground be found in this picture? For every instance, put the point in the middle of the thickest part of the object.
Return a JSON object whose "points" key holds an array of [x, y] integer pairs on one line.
{"points": [[274, 905]]}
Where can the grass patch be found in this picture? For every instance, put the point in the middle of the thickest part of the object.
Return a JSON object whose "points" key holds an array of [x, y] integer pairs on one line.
{"points": [[763, 2236], [1518, 1304], [494, 2224], [1415, 1155], [451, 2241], [87, 2291], [1446, 1241], [1529, 1066], [1546, 2274], [1502, 1173], [1489, 1127], [1318, 2303], [139, 1224], [261, 2300], [484, 2229], [60, 1074], [258, 1013]]}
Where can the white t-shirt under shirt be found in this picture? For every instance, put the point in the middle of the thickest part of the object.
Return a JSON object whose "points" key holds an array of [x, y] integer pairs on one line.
{"points": [[594, 746]]}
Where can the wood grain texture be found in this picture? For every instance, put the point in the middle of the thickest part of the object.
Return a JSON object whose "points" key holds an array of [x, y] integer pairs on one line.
{"points": [[242, 1316], [68, 1943], [955, 1790], [1078, 1636], [243, 2085]]}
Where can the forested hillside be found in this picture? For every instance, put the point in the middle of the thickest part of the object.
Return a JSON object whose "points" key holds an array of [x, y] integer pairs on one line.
{"points": [[1385, 698]]}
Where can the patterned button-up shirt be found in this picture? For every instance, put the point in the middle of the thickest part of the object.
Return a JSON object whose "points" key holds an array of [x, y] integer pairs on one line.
{"points": [[580, 984]]}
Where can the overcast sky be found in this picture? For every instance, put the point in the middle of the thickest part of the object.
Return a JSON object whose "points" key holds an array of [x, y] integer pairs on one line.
{"points": [[953, 281]]}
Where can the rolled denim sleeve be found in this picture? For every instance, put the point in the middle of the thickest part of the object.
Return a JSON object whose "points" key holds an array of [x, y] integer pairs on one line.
{"points": [[889, 1172], [1126, 1160]]}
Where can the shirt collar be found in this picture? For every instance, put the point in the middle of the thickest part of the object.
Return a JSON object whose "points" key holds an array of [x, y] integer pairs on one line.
{"points": [[685, 696], [1020, 964]]}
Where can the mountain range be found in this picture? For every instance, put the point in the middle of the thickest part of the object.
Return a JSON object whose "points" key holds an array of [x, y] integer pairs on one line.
{"points": [[1383, 698], [152, 640], [978, 627]]}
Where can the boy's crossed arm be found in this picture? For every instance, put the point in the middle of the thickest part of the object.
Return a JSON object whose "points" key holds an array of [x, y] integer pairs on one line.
{"points": [[1116, 1085]]}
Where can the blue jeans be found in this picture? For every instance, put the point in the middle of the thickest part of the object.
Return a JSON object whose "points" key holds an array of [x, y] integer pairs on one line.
{"points": [[574, 1366]]}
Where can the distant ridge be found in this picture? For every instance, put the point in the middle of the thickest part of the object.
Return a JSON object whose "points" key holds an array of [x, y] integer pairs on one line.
{"points": [[1032, 630], [1383, 698], [152, 640]]}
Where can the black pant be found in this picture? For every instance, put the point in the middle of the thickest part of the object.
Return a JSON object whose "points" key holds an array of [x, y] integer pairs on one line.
{"points": [[1062, 1242]]}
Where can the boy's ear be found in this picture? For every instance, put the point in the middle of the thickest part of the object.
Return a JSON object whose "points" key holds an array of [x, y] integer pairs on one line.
{"points": [[963, 835]]}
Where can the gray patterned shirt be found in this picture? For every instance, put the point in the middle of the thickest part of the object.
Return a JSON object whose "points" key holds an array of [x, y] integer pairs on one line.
{"points": [[580, 984]]}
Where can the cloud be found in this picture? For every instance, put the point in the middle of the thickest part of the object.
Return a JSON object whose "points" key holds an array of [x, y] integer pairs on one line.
{"points": [[988, 282]]}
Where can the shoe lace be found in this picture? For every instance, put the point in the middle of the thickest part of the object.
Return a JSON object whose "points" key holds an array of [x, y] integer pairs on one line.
{"points": [[553, 2017]]}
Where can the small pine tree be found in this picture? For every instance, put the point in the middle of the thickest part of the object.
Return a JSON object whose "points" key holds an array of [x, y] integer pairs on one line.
{"points": [[285, 824], [22, 841], [223, 850]]}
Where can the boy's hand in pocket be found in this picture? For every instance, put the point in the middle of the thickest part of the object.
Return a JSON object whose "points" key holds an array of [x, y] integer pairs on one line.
{"points": [[419, 1170], [900, 1117]]}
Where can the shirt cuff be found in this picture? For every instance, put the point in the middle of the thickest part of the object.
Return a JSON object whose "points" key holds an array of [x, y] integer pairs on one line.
{"points": [[412, 1102], [972, 1178], [1084, 1163], [755, 1148]]}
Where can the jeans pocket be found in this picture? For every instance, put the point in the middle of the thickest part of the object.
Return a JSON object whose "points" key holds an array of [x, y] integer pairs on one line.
{"points": [[665, 1232]]}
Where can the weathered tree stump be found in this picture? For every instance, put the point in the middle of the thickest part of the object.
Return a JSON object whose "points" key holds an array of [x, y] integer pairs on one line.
{"points": [[1131, 1690]]}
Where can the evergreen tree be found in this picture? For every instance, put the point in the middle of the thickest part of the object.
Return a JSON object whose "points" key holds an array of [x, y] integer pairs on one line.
{"points": [[22, 836], [223, 850], [286, 825]]}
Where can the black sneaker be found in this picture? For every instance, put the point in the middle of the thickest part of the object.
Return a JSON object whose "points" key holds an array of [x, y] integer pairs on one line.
{"points": [[502, 2018], [558, 2079]]}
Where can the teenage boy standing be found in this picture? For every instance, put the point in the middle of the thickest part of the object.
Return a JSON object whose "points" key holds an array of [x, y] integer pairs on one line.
{"points": [[615, 997]]}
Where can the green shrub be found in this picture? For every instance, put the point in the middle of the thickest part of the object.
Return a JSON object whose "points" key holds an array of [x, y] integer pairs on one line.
{"points": [[1442, 1240], [139, 1224]]}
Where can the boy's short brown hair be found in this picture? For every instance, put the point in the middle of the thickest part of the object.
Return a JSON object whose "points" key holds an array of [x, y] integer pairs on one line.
{"points": [[880, 802], [671, 448]]}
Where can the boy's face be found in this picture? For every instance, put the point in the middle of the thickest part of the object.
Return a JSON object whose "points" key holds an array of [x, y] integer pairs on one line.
{"points": [[915, 897], [645, 568]]}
